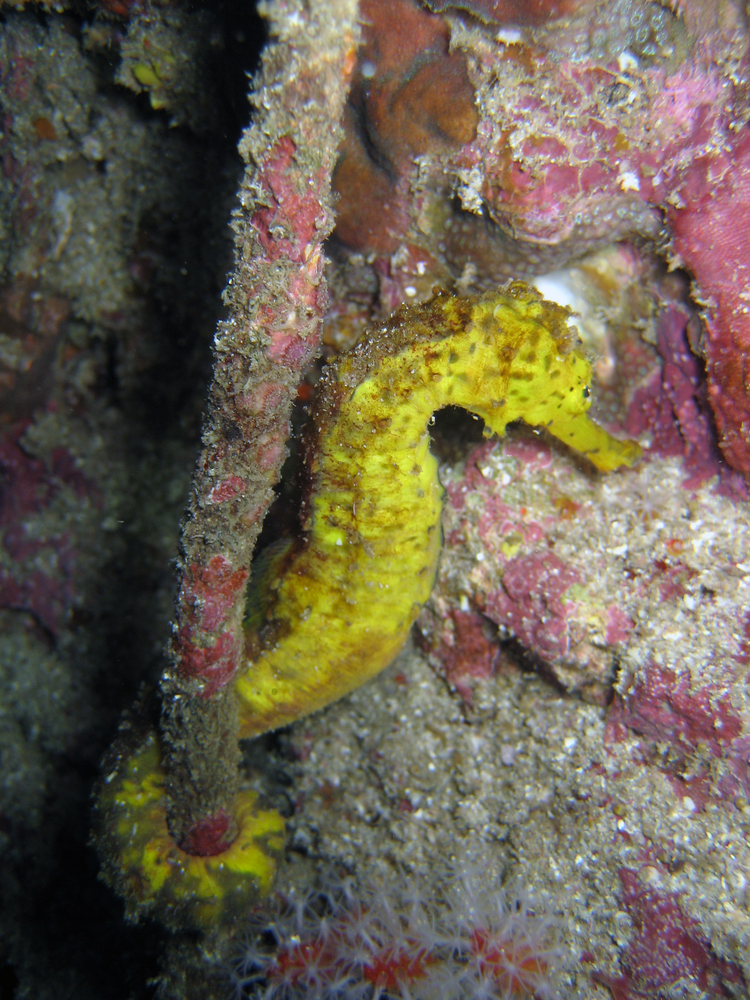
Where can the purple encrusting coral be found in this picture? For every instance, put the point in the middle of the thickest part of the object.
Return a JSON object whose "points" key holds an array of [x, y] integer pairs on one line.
{"points": [[467, 941]]}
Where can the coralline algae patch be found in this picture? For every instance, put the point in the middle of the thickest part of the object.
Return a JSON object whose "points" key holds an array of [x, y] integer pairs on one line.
{"points": [[588, 573], [632, 818]]}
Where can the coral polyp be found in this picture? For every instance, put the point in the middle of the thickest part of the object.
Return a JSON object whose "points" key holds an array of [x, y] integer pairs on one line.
{"points": [[506, 948], [460, 942]]}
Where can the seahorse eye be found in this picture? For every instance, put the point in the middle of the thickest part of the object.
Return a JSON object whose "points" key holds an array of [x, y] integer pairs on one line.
{"points": [[586, 392]]}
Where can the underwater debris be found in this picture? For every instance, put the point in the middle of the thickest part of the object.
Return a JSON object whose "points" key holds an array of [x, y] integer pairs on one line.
{"points": [[276, 298]]}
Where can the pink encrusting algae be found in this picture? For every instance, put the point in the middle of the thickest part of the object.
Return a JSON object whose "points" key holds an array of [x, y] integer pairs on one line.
{"points": [[374, 941]]}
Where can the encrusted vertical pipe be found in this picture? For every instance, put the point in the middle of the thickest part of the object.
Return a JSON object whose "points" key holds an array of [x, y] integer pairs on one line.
{"points": [[276, 297]]}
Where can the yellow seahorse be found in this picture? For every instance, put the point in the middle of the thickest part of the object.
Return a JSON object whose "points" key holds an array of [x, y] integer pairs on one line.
{"points": [[336, 606]]}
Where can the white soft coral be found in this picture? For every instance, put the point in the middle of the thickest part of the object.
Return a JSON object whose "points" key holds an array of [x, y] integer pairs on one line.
{"points": [[465, 941]]}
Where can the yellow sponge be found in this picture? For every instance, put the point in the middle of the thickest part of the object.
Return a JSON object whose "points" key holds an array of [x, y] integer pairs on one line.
{"points": [[155, 876]]}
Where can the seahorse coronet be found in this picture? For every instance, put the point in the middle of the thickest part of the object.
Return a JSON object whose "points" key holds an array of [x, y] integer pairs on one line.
{"points": [[339, 602]]}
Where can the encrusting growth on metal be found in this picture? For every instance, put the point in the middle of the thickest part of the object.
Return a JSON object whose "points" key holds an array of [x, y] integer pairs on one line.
{"points": [[275, 297]]}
